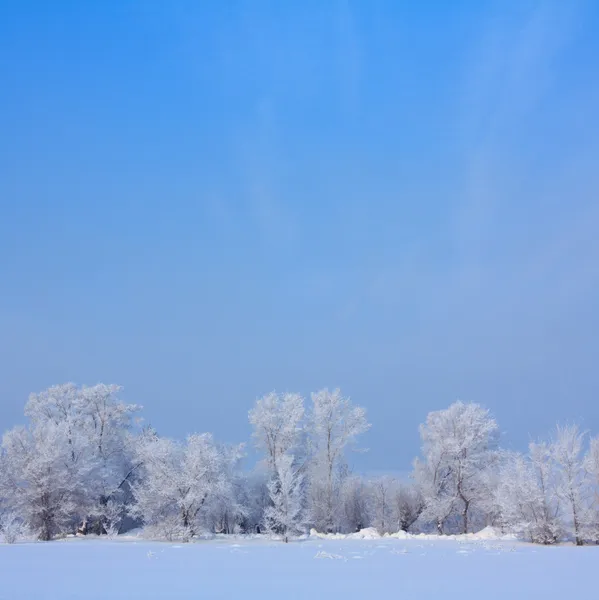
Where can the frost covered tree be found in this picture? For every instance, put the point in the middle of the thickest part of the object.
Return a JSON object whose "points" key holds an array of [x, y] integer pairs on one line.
{"points": [[178, 480], [382, 492], [591, 466], [458, 447], [525, 496], [408, 504], [355, 504], [572, 483], [277, 423], [434, 479], [334, 424], [255, 499], [96, 428], [12, 527], [227, 509], [395, 506], [41, 484], [108, 430], [285, 514]]}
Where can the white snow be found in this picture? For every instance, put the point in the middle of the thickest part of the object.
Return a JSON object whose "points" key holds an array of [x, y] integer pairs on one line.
{"points": [[234, 568], [370, 533]]}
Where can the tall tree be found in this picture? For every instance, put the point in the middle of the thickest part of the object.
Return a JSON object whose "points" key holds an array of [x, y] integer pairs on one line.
{"points": [[334, 424]]}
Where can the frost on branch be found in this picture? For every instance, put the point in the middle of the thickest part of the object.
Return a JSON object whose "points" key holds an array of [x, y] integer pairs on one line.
{"points": [[277, 423]]}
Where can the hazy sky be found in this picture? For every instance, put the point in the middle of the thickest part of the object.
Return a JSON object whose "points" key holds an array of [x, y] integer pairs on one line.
{"points": [[205, 201]]}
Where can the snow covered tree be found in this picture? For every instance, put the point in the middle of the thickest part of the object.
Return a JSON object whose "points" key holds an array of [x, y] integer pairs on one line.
{"points": [[108, 427], [97, 433], [12, 527], [434, 480], [226, 509], [591, 463], [355, 501], [40, 482], [566, 451], [382, 492], [525, 496], [408, 504], [178, 481], [458, 446], [334, 424], [591, 466], [255, 499], [285, 515], [277, 422]]}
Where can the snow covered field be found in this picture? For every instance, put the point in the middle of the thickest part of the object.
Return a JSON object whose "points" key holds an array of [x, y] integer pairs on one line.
{"points": [[314, 568]]}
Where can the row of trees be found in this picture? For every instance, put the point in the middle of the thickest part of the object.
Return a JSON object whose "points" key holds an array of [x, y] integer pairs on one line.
{"points": [[85, 464]]}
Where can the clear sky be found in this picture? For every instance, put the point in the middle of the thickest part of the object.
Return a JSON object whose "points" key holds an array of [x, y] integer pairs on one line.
{"points": [[205, 201]]}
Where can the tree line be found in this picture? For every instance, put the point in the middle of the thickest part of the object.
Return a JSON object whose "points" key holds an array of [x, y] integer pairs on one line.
{"points": [[85, 464]]}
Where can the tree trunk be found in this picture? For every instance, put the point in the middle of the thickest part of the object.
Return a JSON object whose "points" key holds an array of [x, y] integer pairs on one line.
{"points": [[465, 516], [577, 537]]}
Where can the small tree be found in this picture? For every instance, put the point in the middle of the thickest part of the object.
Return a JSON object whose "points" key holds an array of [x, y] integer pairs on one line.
{"points": [[12, 527], [355, 504], [408, 505], [285, 515], [382, 496], [111, 516]]}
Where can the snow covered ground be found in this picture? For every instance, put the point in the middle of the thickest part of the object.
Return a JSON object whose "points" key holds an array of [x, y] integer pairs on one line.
{"points": [[313, 568]]}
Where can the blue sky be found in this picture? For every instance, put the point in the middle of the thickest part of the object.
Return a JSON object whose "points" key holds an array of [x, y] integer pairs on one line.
{"points": [[207, 201]]}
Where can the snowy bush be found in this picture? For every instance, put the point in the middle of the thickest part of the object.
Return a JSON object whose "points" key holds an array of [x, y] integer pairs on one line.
{"points": [[169, 528]]}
